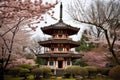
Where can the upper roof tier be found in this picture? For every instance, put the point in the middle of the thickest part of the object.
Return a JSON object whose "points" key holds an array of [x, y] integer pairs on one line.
{"points": [[60, 26]]}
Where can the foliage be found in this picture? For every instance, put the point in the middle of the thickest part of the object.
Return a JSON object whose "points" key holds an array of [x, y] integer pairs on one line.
{"points": [[37, 71], [103, 71], [84, 46], [46, 72], [24, 72], [75, 70], [40, 61], [80, 63], [99, 79], [7, 77], [26, 66], [41, 71], [115, 73], [91, 70], [15, 71], [19, 71]]}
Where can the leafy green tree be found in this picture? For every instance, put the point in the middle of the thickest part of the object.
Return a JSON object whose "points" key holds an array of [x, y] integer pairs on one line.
{"points": [[84, 46], [40, 61], [81, 63]]}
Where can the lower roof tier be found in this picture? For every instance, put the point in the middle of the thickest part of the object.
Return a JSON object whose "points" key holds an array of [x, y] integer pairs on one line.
{"points": [[49, 43], [55, 55]]}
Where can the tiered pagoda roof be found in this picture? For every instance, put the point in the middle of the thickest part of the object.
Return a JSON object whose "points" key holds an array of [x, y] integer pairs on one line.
{"points": [[66, 30]]}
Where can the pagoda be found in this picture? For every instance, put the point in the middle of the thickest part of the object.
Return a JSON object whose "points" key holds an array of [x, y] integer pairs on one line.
{"points": [[59, 56]]}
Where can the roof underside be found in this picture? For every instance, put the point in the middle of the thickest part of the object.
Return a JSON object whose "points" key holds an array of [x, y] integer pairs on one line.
{"points": [[48, 43]]}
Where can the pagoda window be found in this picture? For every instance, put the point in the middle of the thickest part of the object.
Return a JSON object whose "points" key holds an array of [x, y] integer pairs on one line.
{"points": [[51, 63], [60, 49], [68, 63]]}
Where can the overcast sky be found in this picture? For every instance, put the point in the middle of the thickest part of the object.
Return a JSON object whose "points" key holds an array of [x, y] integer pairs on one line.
{"points": [[66, 18]]}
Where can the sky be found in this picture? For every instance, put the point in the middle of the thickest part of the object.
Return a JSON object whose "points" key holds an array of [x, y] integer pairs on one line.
{"points": [[38, 34]]}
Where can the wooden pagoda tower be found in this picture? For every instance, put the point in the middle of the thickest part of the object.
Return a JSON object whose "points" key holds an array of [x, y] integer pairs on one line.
{"points": [[59, 56]]}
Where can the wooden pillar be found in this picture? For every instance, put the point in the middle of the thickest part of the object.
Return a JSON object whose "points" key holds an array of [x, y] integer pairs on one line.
{"points": [[64, 64], [55, 67], [70, 63], [48, 63], [56, 64]]}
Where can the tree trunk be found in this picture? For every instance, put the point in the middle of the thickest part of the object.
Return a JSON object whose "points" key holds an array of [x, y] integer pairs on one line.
{"points": [[111, 48], [1, 73], [114, 56], [2, 66]]}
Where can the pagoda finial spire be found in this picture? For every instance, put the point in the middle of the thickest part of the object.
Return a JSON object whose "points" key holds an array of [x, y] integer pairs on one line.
{"points": [[61, 12]]}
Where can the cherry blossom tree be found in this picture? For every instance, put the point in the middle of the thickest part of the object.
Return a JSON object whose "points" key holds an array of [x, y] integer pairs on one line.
{"points": [[105, 16], [19, 61], [95, 59], [15, 14], [94, 54]]}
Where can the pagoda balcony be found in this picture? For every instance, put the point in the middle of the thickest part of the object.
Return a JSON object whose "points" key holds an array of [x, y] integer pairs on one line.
{"points": [[59, 38], [58, 52]]}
